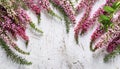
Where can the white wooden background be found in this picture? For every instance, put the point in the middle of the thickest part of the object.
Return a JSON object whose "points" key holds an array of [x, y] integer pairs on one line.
{"points": [[58, 50]]}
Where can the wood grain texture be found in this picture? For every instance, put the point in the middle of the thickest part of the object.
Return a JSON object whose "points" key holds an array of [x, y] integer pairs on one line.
{"points": [[58, 50]]}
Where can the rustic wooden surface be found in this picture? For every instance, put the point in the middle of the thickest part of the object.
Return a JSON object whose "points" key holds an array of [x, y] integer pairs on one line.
{"points": [[58, 50]]}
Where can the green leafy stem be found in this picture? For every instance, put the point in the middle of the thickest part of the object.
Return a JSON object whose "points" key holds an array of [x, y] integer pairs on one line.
{"points": [[34, 27], [54, 14], [112, 54], [104, 19], [66, 19], [12, 55]]}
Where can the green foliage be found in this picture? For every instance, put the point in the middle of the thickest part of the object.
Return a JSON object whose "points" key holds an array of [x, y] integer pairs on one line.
{"points": [[12, 55], [67, 21], [18, 3], [54, 14], [76, 39], [91, 48], [103, 17], [34, 27], [39, 18], [105, 20], [116, 5], [112, 54], [16, 47], [21, 51], [109, 9]]}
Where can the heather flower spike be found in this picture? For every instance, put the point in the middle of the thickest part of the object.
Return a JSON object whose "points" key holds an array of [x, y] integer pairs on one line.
{"points": [[34, 27], [85, 17], [65, 5], [34, 7], [71, 4], [112, 54], [12, 55], [90, 21], [66, 10], [106, 24], [11, 43], [53, 14], [13, 21], [113, 44], [45, 5]]}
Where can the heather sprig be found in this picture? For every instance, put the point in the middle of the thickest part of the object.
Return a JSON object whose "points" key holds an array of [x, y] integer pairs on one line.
{"points": [[107, 38], [105, 20], [13, 21], [5, 42], [34, 27], [34, 7], [80, 6], [88, 8], [65, 5], [54, 14], [45, 4], [12, 55], [10, 42], [113, 44], [112, 54], [78, 27], [66, 19], [25, 19], [90, 21]]}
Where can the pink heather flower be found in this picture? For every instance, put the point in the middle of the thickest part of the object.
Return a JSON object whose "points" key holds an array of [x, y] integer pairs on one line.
{"points": [[117, 17], [78, 27], [84, 4], [116, 41], [6, 38], [8, 25], [91, 21], [44, 4], [97, 34], [113, 44], [21, 32], [84, 18], [13, 28], [110, 2], [88, 23], [67, 9], [113, 32], [108, 37], [23, 17], [33, 6], [80, 6]]}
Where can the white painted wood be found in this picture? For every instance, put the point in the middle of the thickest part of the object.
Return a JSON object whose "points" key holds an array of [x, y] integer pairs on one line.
{"points": [[58, 50]]}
